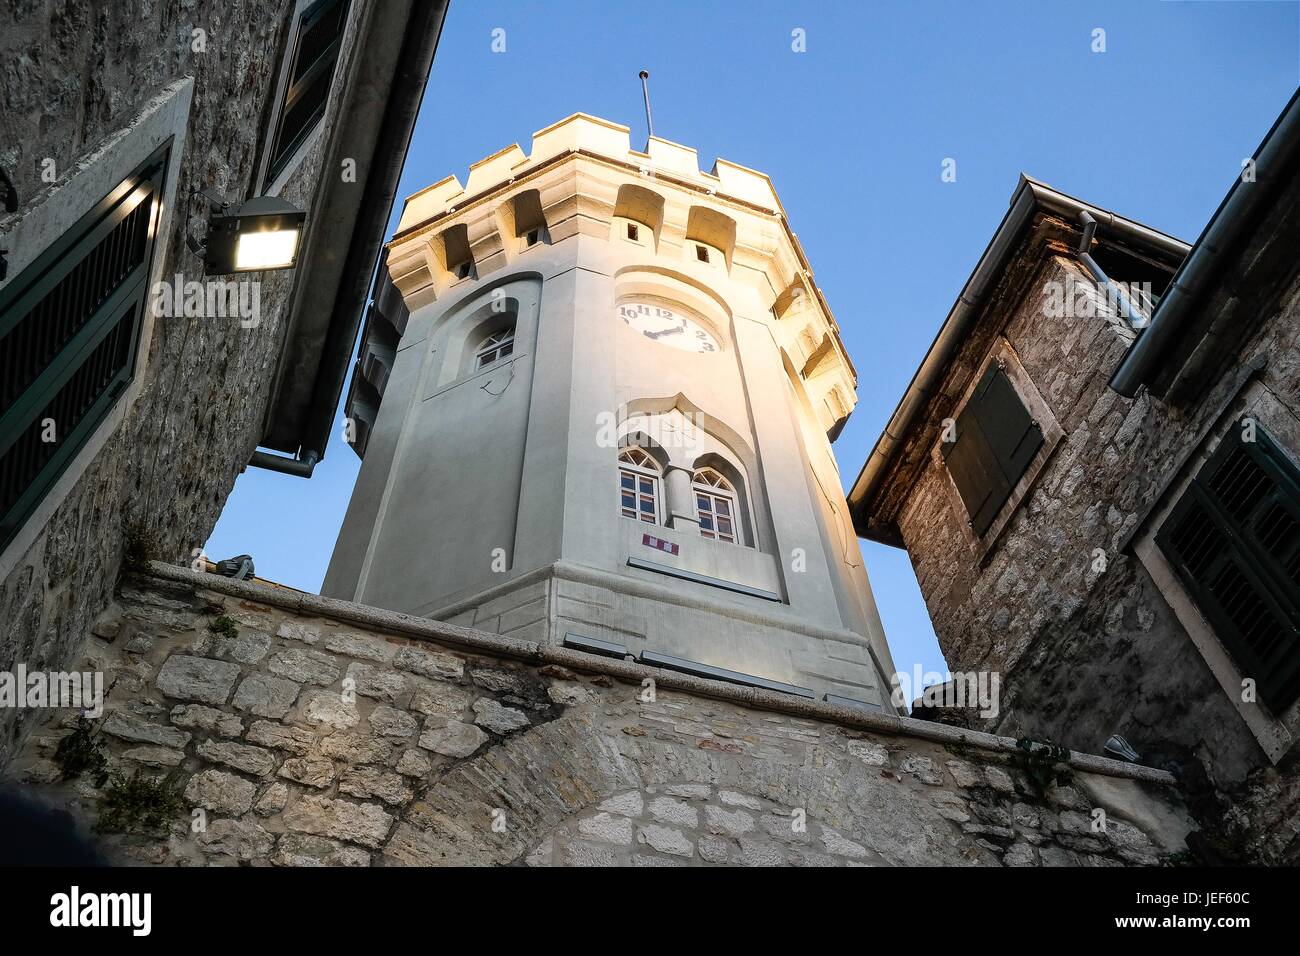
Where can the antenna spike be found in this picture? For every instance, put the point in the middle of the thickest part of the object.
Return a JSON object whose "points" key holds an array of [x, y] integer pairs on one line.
{"points": [[645, 92]]}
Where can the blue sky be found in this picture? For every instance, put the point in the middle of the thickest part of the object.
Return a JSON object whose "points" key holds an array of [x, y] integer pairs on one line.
{"points": [[853, 132]]}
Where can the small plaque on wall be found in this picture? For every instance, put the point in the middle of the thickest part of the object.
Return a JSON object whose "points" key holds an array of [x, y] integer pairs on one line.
{"points": [[659, 544]]}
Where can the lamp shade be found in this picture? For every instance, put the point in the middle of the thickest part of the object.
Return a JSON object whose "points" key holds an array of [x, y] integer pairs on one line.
{"points": [[262, 234]]}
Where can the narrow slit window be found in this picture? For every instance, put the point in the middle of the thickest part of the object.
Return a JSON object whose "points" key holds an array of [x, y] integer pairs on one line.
{"points": [[314, 52]]}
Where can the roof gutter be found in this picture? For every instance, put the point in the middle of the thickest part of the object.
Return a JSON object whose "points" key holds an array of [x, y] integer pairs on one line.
{"points": [[1234, 219], [1030, 197]]}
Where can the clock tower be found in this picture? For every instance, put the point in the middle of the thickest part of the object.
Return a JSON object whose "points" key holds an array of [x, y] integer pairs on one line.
{"points": [[595, 404]]}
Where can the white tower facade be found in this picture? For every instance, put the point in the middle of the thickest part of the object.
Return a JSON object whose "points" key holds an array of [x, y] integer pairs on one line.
{"points": [[595, 403]]}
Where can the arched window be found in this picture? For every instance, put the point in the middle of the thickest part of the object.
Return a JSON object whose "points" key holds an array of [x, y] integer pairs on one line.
{"points": [[495, 347], [715, 503], [638, 485]]}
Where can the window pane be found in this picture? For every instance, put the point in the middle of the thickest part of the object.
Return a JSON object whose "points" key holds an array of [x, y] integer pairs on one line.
{"points": [[706, 522], [648, 505], [627, 480], [629, 501], [724, 525], [702, 503], [724, 506], [706, 534], [506, 349], [646, 487], [650, 518]]}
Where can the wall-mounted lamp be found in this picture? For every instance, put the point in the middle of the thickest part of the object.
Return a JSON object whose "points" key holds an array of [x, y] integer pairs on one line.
{"points": [[261, 234]]}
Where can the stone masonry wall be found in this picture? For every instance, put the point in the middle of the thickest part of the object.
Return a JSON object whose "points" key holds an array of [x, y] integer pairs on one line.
{"points": [[1088, 653], [75, 71], [326, 733], [1040, 575]]}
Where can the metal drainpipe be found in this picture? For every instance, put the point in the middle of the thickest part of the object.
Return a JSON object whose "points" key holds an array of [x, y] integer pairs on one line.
{"points": [[300, 467], [1136, 320]]}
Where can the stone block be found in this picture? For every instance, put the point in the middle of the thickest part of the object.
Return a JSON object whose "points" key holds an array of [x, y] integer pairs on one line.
{"points": [[266, 696], [197, 678]]}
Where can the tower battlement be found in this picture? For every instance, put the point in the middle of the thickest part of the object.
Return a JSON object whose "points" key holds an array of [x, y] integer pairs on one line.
{"points": [[582, 178], [593, 136]]}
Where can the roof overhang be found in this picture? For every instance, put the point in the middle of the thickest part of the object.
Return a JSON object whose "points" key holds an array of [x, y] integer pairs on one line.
{"points": [[381, 98], [1030, 198], [1220, 244]]}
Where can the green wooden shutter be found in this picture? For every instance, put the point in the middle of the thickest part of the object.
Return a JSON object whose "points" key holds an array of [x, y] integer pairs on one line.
{"points": [[1234, 540], [996, 441], [69, 326], [1013, 436]]}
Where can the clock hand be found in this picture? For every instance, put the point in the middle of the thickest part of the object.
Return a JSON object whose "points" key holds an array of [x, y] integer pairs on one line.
{"points": [[673, 331]]}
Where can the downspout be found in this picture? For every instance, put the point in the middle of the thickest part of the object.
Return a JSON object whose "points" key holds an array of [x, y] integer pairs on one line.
{"points": [[1133, 316], [300, 467]]}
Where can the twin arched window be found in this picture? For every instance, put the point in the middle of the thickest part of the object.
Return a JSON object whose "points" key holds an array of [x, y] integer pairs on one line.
{"points": [[639, 484]]}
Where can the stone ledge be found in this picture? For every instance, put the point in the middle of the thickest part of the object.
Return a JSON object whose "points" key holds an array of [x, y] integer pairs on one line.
{"points": [[300, 602]]}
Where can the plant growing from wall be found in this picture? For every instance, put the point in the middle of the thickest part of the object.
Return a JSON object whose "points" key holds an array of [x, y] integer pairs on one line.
{"points": [[224, 627], [82, 752], [1043, 763], [140, 803], [140, 545]]}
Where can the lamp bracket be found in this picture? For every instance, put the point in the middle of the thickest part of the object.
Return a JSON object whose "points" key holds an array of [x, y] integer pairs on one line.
{"points": [[218, 202]]}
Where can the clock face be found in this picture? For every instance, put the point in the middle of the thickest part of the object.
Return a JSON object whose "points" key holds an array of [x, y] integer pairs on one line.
{"points": [[667, 326]]}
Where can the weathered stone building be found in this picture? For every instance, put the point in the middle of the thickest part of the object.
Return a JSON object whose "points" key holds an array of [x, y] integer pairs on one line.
{"points": [[1100, 498], [110, 107]]}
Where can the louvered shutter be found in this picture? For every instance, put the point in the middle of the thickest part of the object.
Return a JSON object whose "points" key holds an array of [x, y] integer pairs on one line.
{"points": [[1234, 540], [69, 325]]}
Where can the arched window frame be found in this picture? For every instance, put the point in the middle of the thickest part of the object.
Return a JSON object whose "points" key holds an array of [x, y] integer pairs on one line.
{"points": [[717, 506], [497, 346], [639, 484]]}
